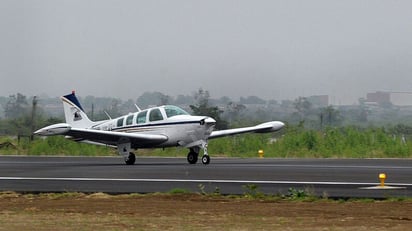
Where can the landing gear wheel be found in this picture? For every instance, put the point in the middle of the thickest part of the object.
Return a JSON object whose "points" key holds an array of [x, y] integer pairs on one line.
{"points": [[192, 157], [205, 159], [130, 159]]}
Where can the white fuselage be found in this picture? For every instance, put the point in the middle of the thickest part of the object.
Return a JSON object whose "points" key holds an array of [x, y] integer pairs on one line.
{"points": [[180, 128]]}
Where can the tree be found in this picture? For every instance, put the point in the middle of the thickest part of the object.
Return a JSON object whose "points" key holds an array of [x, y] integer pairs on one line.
{"points": [[203, 108], [16, 107], [152, 98], [224, 100], [252, 100], [184, 100], [233, 111], [303, 106], [330, 116], [21, 117]]}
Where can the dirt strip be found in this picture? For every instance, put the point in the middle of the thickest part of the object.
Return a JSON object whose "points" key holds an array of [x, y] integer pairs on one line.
{"points": [[196, 212]]}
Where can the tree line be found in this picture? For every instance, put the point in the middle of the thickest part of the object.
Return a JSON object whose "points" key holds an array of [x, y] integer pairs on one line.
{"points": [[20, 115]]}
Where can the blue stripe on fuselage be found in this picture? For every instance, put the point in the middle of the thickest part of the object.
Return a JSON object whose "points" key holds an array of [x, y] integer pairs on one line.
{"points": [[155, 125]]}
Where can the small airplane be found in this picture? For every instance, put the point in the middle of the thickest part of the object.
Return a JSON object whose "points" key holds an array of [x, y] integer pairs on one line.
{"points": [[157, 127]]}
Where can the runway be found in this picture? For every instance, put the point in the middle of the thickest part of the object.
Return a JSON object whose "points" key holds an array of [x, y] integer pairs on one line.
{"points": [[340, 178]]}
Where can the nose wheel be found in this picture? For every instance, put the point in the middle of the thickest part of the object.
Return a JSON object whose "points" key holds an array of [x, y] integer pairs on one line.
{"points": [[205, 159]]}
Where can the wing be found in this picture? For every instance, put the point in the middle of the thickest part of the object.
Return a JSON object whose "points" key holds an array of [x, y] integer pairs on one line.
{"points": [[261, 128], [137, 140], [113, 138]]}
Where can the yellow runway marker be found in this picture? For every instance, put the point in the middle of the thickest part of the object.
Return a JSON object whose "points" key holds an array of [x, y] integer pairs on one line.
{"points": [[261, 153], [382, 178]]}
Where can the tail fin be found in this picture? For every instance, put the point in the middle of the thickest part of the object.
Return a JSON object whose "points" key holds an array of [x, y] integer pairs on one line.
{"points": [[74, 113]]}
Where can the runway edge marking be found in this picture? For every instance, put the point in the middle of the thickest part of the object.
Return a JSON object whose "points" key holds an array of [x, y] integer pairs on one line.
{"points": [[197, 181]]}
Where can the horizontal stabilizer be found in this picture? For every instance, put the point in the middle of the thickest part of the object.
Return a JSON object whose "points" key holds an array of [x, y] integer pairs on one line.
{"points": [[55, 129], [101, 137]]}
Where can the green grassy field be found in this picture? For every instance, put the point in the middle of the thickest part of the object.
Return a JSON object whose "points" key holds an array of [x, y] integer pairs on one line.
{"points": [[345, 142], [55, 145]]}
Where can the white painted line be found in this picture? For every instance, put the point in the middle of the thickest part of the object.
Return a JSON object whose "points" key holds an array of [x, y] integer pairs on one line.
{"points": [[317, 166], [198, 181], [378, 187]]}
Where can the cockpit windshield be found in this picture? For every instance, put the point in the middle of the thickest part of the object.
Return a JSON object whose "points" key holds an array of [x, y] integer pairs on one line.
{"points": [[174, 111]]}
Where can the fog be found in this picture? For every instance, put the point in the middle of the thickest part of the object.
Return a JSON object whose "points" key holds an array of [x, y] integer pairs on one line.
{"points": [[272, 49]]}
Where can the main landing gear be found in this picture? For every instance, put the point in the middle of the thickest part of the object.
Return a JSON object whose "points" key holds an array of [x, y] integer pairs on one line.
{"points": [[194, 154], [124, 149], [130, 159]]}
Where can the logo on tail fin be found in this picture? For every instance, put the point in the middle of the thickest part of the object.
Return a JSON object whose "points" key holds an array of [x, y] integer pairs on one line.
{"points": [[77, 116]]}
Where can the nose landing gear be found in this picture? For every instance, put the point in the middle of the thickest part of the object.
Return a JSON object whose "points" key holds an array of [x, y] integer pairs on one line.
{"points": [[194, 154], [205, 159]]}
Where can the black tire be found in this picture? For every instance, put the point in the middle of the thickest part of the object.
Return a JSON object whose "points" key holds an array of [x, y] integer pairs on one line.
{"points": [[192, 157], [130, 159], [205, 159]]}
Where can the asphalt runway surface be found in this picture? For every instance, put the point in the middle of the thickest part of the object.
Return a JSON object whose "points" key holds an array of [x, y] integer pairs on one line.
{"points": [[334, 178]]}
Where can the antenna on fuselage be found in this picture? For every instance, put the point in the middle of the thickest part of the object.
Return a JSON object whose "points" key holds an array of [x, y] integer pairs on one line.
{"points": [[107, 114], [138, 108]]}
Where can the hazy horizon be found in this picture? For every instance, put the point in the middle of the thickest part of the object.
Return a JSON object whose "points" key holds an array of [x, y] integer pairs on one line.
{"points": [[270, 49]]}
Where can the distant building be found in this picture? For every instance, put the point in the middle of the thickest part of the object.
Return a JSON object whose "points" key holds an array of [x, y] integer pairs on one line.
{"points": [[378, 97], [319, 100], [401, 98]]}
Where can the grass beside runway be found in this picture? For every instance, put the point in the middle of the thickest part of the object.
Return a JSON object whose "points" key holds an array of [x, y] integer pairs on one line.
{"points": [[345, 142], [55, 145]]}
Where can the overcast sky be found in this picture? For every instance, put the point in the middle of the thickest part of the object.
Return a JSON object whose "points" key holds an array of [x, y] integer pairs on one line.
{"points": [[273, 49]]}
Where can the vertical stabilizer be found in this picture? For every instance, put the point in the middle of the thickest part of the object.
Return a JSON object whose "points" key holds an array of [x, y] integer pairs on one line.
{"points": [[74, 113]]}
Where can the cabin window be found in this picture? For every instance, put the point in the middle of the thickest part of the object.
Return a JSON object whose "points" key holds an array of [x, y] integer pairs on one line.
{"points": [[155, 115], [129, 120], [141, 117], [120, 122], [174, 111]]}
